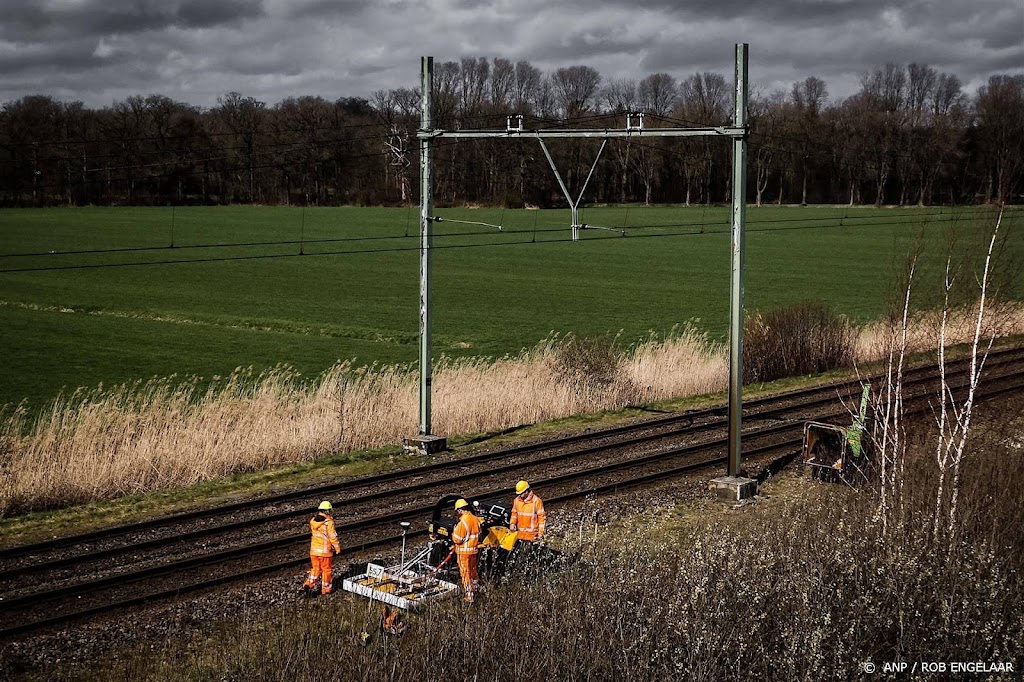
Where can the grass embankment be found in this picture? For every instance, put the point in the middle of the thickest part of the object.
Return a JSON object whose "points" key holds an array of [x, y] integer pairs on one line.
{"points": [[806, 584]]}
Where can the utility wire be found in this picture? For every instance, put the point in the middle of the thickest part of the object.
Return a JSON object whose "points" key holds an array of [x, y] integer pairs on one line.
{"points": [[189, 168], [378, 123], [265, 149], [190, 151], [218, 259], [824, 148], [869, 166], [330, 240], [193, 172]]}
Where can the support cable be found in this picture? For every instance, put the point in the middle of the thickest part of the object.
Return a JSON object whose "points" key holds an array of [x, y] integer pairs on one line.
{"points": [[93, 266], [439, 219], [849, 221]]}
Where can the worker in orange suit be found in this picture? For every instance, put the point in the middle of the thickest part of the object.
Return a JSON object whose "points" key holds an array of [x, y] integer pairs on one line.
{"points": [[466, 538], [527, 516], [322, 548]]}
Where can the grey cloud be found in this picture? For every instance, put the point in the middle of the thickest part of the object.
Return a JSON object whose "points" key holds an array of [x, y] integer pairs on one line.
{"points": [[27, 21], [709, 53], [368, 70], [260, 63], [1006, 36], [1005, 63], [75, 56], [192, 50], [791, 12], [204, 13], [347, 9], [583, 45]]}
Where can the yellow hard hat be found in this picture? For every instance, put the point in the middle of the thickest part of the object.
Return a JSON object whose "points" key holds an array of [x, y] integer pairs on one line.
{"points": [[461, 504], [522, 487], [325, 505]]}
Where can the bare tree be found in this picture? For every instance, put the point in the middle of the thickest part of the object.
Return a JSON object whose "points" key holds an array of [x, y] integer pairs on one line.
{"points": [[887, 85], [657, 94], [883, 93], [394, 109], [1000, 111], [890, 428], [306, 123], [808, 97], [503, 81], [526, 91], [576, 88], [703, 100], [447, 79], [953, 416], [766, 122], [127, 124], [853, 123], [921, 84], [948, 95], [474, 73], [244, 117], [620, 96]]}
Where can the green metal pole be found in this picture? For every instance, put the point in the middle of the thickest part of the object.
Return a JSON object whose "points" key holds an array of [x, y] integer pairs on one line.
{"points": [[739, 209], [426, 237]]}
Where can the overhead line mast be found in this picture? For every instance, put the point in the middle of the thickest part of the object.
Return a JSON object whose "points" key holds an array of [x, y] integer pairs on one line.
{"points": [[735, 488], [427, 442]]}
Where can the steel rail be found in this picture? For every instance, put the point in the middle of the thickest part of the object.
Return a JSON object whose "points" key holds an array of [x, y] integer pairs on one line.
{"points": [[996, 358], [600, 489], [518, 465]]}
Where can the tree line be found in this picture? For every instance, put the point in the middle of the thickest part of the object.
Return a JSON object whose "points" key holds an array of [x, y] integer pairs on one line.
{"points": [[909, 136]]}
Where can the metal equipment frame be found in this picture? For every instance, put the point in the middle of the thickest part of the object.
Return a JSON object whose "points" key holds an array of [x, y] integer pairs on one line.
{"points": [[407, 585], [737, 132]]}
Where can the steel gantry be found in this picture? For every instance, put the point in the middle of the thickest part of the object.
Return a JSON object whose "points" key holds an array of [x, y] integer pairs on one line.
{"points": [[634, 128]]}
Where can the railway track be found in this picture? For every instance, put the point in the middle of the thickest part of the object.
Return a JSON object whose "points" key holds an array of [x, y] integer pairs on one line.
{"points": [[48, 584]]}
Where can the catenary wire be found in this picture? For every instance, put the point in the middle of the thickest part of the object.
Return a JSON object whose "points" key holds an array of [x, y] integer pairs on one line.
{"points": [[184, 261]]}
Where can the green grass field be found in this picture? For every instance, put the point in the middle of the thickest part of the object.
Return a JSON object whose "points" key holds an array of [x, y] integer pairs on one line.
{"points": [[66, 323]]}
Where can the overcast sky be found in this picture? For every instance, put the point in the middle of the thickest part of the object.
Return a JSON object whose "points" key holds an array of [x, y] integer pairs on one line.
{"points": [[99, 51]]}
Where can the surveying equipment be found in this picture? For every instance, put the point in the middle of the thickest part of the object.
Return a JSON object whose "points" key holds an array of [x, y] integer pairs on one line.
{"points": [[405, 529], [421, 579], [838, 452]]}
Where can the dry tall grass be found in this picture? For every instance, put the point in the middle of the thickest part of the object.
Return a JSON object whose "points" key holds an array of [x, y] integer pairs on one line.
{"points": [[1004, 319], [108, 442]]}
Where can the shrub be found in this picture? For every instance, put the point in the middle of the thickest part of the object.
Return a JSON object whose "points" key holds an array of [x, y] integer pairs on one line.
{"points": [[589, 366], [805, 338]]}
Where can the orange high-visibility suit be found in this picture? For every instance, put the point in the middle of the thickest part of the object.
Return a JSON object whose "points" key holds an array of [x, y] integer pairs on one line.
{"points": [[466, 538], [527, 517], [322, 547]]}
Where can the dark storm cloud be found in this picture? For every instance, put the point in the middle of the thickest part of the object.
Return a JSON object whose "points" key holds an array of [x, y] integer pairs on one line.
{"points": [[34, 21], [204, 13], [766, 12], [1007, 35], [74, 55], [584, 45], [196, 50], [339, 8]]}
